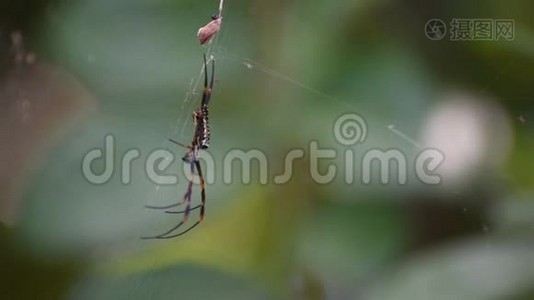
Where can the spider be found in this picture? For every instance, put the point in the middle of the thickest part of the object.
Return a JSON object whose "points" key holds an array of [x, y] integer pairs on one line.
{"points": [[201, 140]]}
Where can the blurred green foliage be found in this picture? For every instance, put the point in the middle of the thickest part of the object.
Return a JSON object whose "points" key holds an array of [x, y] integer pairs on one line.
{"points": [[285, 70]]}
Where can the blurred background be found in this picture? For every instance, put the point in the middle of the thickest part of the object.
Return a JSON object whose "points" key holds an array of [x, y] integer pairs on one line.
{"points": [[73, 72]]}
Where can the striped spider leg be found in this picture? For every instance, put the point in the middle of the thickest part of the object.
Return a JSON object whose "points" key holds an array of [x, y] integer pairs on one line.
{"points": [[201, 140]]}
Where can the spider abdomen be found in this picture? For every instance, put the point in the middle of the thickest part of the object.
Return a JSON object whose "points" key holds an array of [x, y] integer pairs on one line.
{"points": [[203, 127]]}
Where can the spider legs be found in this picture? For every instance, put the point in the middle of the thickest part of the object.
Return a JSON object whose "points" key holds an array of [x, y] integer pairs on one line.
{"points": [[202, 191], [179, 203], [186, 199]]}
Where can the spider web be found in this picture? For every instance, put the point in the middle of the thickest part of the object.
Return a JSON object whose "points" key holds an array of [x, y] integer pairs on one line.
{"points": [[215, 51], [249, 64]]}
